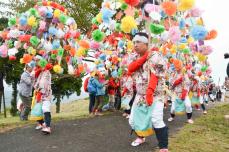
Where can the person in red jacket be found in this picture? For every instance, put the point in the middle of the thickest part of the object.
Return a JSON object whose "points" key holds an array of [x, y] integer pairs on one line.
{"points": [[148, 71], [112, 86]]}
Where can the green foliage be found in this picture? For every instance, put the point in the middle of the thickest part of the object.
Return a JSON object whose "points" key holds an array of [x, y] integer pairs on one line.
{"points": [[65, 85], [3, 23]]}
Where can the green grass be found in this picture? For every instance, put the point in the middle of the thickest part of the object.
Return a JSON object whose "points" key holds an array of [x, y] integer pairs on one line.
{"points": [[209, 133], [69, 111]]}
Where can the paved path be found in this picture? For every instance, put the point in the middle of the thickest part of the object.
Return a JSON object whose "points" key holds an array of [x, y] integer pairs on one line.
{"points": [[109, 133]]}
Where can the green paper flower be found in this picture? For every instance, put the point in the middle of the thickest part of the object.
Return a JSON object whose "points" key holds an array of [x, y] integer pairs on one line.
{"points": [[33, 12], [124, 6], [204, 68], [186, 51], [63, 18], [120, 71], [34, 40], [10, 44], [94, 21], [118, 27], [53, 56], [42, 63], [12, 21], [157, 28], [98, 36], [60, 52]]}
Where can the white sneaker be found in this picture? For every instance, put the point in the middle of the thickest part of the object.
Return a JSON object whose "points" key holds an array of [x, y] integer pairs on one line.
{"points": [[39, 126], [128, 116], [138, 142], [190, 121], [205, 112], [170, 119], [46, 130]]}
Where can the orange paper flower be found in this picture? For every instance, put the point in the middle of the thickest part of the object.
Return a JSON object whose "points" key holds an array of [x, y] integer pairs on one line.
{"points": [[169, 8]]}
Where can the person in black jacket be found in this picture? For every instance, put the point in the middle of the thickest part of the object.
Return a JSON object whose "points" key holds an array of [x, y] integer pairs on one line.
{"points": [[1, 88]]}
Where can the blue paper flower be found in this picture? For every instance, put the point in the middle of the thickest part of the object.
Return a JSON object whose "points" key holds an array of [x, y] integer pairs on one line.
{"points": [[199, 32], [102, 57], [106, 15], [121, 44], [48, 14], [56, 44], [114, 74], [182, 24], [52, 31], [183, 40], [23, 20]]}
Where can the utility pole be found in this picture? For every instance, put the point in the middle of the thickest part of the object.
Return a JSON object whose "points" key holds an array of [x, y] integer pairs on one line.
{"points": [[4, 104]]}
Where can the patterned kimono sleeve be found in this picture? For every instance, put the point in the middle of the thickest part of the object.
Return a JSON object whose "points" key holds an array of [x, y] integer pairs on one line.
{"points": [[129, 85], [157, 65]]}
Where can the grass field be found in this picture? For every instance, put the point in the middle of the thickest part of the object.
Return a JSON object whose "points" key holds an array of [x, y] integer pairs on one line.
{"points": [[208, 134], [73, 110]]}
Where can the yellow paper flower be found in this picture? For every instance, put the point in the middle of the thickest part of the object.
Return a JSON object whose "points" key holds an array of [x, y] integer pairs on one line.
{"points": [[185, 4], [190, 40], [200, 22], [32, 21], [57, 68], [80, 52], [128, 24], [57, 13], [182, 46], [99, 17], [21, 60], [33, 52], [130, 45]]}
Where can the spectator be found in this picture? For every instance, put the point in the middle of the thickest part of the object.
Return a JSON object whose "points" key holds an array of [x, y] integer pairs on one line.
{"points": [[1, 88], [25, 91]]}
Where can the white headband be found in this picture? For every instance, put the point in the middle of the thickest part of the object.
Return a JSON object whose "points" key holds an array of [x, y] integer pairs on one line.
{"points": [[139, 38]]}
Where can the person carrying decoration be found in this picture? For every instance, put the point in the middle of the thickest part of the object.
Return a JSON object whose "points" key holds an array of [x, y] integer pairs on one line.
{"points": [[148, 71], [25, 90], [180, 86], [44, 95], [197, 97]]}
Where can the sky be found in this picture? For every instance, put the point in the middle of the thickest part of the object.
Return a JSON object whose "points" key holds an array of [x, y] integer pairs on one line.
{"points": [[216, 17]]}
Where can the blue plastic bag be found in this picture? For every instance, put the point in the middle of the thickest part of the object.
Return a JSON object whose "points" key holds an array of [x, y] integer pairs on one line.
{"points": [[142, 123], [179, 107], [36, 112]]}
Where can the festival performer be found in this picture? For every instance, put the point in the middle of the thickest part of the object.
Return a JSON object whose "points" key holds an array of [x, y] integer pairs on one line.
{"points": [[148, 72], [180, 85], [127, 93], [44, 94], [197, 94]]}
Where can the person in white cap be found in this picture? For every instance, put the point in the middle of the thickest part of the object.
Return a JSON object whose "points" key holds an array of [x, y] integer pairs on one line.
{"points": [[25, 91]]}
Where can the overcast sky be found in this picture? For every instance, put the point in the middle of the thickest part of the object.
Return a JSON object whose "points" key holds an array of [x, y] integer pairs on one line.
{"points": [[216, 17]]}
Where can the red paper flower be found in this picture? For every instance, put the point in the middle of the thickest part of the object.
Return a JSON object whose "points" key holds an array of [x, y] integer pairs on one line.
{"points": [[132, 2]]}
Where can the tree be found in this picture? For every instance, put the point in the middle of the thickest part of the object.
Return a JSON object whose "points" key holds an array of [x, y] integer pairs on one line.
{"points": [[81, 10], [65, 86]]}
